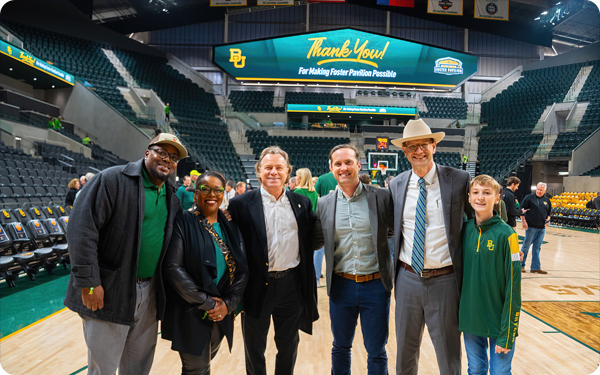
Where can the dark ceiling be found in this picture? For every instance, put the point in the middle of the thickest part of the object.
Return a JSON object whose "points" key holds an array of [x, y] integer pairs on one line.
{"points": [[580, 26]]}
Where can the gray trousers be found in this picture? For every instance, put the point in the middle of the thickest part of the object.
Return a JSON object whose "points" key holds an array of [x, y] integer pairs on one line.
{"points": [[432, 301], [130, 349]]}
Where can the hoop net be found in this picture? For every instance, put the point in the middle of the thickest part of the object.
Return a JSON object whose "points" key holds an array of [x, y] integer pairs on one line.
{"points": [[382, 167]]}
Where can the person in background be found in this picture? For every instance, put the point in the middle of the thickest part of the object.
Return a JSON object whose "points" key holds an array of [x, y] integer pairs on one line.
{"points": [[185, 196], [58, 123], [365, 179], [594, 203], [206, 270], [74, 186], [194, 174], [82, 181], [88, 176], [490, 300], [325, 184], [86, 140], [387, 181], [537, 208], [240, 188], [51, 123], [306, 187], [464, 160], [508, 196], [292, 184], [314, 180], [229, 193], [167, 113]]}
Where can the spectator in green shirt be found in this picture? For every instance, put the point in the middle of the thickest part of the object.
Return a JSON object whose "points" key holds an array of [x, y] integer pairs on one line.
{"points": [[51, 123], [86, 141], [58, 123], [186, 197], [305, 186], [325, 184], [167, 113]]}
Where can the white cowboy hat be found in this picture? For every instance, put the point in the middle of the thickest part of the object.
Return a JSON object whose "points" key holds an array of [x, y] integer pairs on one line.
{"points": [[417, 129]]}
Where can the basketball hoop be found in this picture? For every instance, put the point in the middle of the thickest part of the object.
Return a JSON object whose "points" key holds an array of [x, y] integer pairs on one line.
{"points": [[382, 167]]}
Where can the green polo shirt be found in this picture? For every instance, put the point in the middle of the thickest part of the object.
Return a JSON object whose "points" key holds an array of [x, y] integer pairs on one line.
{"points": [[325, 184], [153, 228]]}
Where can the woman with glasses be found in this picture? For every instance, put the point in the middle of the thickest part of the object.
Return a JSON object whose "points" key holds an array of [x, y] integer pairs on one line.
{"points": [[206, 270]]}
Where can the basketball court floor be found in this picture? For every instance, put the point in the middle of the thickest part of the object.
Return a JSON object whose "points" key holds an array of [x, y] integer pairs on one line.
{"points": [[559, 332]]}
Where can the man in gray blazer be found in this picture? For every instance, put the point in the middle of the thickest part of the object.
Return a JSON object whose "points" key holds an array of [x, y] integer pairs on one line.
{"points": [[355, 220], [430, 201]]}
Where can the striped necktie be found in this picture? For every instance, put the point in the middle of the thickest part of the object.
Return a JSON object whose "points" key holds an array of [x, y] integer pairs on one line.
{"points": [[418, 253]]}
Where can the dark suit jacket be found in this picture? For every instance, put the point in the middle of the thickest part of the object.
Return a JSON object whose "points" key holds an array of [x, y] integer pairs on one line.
{"points": [[381, 217], [454, 188], [246, 210]]}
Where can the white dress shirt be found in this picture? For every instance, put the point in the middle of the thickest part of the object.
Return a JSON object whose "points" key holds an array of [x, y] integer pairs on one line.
{"points": [[437, 253], [282, 232]]}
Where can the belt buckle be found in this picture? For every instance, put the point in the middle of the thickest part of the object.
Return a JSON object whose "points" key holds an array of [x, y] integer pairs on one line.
{"points": [[355, 278]]}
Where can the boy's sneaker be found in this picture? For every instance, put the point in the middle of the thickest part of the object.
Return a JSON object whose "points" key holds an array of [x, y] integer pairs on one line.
{"points": [[539, 271], [523, 270]]}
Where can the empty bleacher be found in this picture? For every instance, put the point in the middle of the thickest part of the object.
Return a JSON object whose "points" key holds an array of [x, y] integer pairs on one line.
{"points": [[304, 152], [593, 172], [185, 98], [513, 114], [314, 98], [442, 107], [82, 58], [253, 101], [214, 142]]}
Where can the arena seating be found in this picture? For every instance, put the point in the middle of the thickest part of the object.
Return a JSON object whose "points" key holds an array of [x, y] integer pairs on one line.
{"points": [[213, 141], [512, 115], [314, 98], [569, 209], [253, 101], [82, 58], [304, 152], [442, 107], [566, 142], [185, 98], [593, 172]]}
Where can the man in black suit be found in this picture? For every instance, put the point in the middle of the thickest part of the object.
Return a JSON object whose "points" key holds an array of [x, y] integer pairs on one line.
{"points": [[430, 201], [277, 227]]}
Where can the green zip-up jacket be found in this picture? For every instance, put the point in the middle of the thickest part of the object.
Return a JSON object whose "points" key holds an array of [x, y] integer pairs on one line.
{"points": [[490, 302]]}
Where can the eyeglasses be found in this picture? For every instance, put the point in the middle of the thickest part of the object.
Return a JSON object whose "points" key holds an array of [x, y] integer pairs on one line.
{"points": [[205, 190], [422, 146], [164, 155]]}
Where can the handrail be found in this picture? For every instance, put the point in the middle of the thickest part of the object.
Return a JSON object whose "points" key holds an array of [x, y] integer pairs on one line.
{"points": [[518, 69], [500, 177], [585, 140]]}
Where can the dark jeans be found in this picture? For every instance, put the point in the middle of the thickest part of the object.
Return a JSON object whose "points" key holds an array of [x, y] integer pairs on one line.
{"points": [[200, 364], [349, 300], [285, 304]]}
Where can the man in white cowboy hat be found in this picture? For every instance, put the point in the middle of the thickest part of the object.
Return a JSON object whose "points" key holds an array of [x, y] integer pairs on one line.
{"points": [[429, 203]]}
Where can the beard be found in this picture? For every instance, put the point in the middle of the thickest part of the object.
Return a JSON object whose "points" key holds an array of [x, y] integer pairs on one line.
{"points": [[158, 175]]}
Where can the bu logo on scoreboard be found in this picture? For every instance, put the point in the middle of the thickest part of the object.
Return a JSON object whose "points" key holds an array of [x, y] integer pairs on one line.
{"points": [[448, 66], [235, 56]]}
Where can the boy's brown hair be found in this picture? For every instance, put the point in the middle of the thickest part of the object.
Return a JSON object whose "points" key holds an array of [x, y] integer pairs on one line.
{"points": [[485, 180]]}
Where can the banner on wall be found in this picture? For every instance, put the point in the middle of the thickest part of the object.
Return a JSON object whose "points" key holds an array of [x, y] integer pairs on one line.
{"points": [[34, 62], [344, 56], [492, 9], [275, 2], [228, 3], [349, 109], [397, 3], [447, 7]]}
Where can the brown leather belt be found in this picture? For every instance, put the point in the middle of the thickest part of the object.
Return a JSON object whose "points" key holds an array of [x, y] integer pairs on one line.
{"points": [[429, 273], [359, 278]]}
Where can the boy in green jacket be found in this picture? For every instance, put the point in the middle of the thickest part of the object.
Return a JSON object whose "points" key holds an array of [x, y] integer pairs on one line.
{"points": [[490, 301]]}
